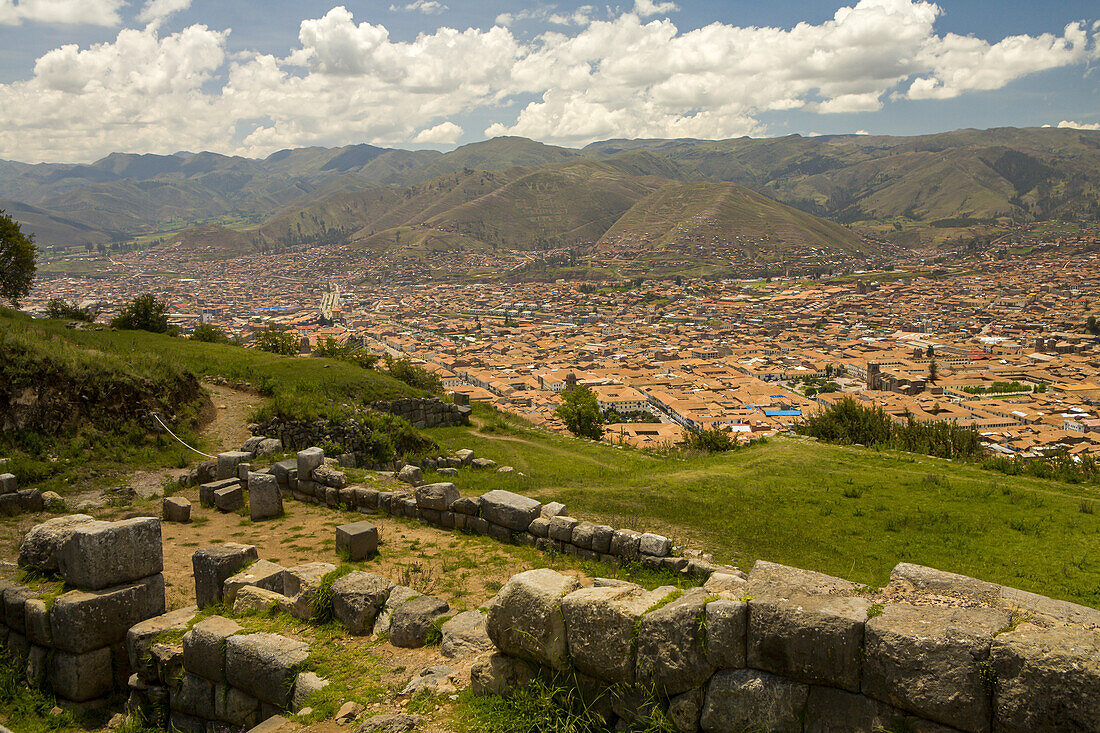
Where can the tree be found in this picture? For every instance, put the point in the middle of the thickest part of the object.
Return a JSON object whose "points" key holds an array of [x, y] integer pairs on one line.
{"points": [[144, 313], [277, 341], [64, 310], [1092, 327], [933, 371], [17, 260], [580, 412], [209, 334], [413, 375]]}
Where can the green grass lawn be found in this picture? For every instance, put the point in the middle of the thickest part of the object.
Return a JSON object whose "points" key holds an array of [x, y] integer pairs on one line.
{"points": [[852, 512]]}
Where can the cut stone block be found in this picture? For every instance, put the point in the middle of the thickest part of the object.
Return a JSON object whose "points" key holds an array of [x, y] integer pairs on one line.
{"points": [[500, 675], [672, 645], [410, 474], [214, 565], [412, 620], [600, 625], [176, 509], [1047, 679], [207, 490], [812, 639], [468, 505], [525, 617], [582, 535], [438, 497], [15, 600], [539, 527], [264, 665], [8, 483], [465, 635], [102, 554], [264, 498], [42, 545], [81, 621], [81, 677], [745, 699], [36, 620], [301, 582], [654, 545], [229, 499], [727, 624], [771, 580], [561, 528], [204, 647], [829, 710], [309, 459], [928, 660], [228, 463], [262, 574], [357, 598], [252, 599], [398, 597], [307, 685], [625, 543], [140, 636], [194, 696], [359, 540], [281, 470], [509, 510], [601, 539]]}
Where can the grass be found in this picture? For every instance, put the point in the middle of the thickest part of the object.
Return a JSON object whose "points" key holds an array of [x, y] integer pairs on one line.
{"points": [[847, 511]]}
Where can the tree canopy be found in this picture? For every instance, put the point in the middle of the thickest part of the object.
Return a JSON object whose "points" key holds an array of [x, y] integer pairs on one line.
{"points": [[277, 341], [17, 260], [580, 412], [143, 313]]}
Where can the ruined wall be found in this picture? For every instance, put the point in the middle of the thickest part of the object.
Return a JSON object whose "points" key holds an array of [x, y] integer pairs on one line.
{"points": [[74, 642]]}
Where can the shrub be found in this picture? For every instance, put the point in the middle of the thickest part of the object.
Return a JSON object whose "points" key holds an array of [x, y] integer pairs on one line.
{"points": [[275, 340], [711, 440], [144, 313], [413, 375], [209, 334], [64, 310]]}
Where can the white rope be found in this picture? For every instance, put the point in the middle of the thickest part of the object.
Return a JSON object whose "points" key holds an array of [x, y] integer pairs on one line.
{"points": [[157, 418]]}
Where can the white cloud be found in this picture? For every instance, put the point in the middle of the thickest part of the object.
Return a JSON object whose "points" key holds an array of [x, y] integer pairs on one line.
{"points": [[348, 81], [74, 12], [427, 7], [445, 133], [156, 12], [1078, 125], [646, 8]]}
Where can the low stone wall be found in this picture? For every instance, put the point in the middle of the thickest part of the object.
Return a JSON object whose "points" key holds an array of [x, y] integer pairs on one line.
{"points": [[214, 677], [426, 412], [797, 651], [74, 642]]}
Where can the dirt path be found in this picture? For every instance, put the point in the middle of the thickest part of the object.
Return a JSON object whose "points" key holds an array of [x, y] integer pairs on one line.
{"points": [[229, 429]]}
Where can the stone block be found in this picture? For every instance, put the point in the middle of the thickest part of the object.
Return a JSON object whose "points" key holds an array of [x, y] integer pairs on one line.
{"points": [[309, 459], [525, 617], [465, 635], [40, 548], [261, 574], [301, 582], [18, 647], [366, 499], [672, 645], [509, 510], [625, 543], [15, 600], [81, 621], [438, 497], [236, 708], [207, 490], [1047, 679], [140, 639], [102, 554], [81, 677], [204, 647], [37, 666], [601, 539], [228, 463], [412, 620], [410, 474], [746, 699], [176, 509], [281, 470], [306, 686], [430, 516], [654, 545], [264, 666], [269, 446], [539, 527], [195, 697], [243, 470], [328, 476], [500, 675], [229, 499], [561, 528], [727, 629], [8, 483], [721, 582], [36, 620], [499, 533], [769, 579], [928, 660], [582, 535], [812, 639], [829, 710], [358, 540], [253, 599], [553, 509], [214, 565], [477, 525], [30, 500], [264, 498], [600, 625], [398, 597], [468, 505], [357, 598]]}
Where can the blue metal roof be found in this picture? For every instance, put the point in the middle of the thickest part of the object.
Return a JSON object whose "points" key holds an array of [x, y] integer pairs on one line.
{"points": [[783, 413]]}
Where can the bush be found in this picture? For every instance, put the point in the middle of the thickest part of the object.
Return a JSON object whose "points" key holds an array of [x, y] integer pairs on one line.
{"points": [[351, 353], [209, 334], [144, 313], [66, 311], [413, 375], [711, 440], [275, 340]]}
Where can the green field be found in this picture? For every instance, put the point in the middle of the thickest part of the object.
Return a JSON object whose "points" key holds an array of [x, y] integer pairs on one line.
{"points": [[852, 512]]}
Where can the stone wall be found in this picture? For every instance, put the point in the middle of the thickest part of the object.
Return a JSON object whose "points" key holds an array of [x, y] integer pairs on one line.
{"points": [[426, 412], [801, 651], [74, 642]]}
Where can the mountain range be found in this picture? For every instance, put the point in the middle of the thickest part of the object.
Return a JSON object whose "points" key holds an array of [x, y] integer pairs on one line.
{"points": [[759, 197]]}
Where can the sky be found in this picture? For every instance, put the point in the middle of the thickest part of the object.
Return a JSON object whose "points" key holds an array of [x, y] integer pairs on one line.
{"points": [[80, 79]]}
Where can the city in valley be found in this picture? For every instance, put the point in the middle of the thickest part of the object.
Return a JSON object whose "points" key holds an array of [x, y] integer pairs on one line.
{"points": [[999, 340]]}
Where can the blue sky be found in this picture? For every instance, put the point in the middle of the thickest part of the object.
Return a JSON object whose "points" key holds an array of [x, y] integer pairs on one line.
{"points": [[81, 78]]}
